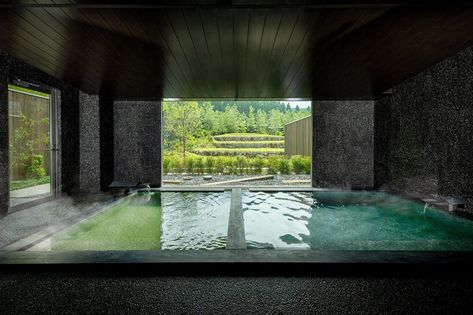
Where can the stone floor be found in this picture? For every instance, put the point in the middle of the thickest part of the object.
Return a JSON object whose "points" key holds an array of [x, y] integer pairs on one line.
{"points": [[24, 195], [112, 292]]}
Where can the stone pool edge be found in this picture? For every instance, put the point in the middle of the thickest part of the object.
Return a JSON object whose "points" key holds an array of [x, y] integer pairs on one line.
{"points": [[239, 256]]}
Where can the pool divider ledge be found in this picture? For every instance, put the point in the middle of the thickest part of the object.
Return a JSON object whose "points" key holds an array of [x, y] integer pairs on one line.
{"points": [[236, 224]]}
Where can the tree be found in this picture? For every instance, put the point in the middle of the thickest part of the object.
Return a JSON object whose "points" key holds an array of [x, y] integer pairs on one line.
{"points": [[25, 140], [275, 121], [251, 120], [182, 119], [231, 119], [261, 122]]}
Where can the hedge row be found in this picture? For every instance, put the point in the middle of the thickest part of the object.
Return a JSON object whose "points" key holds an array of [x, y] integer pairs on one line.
{"points": [[237, 165], [249, 144], [247, 137], [248, 152]]}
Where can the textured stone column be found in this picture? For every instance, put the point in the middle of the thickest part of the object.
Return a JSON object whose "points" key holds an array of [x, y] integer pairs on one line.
{"points": [[89, 143], [106, 142], [343, 144], [4, 173], [137, 145], [70, 139]]}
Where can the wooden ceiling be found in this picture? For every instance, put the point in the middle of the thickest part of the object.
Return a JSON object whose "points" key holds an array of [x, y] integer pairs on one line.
{"points": [[219, 49]]}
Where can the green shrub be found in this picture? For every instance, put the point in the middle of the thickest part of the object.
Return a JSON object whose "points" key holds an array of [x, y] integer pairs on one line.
{"points": [[237, 164], [190, 164], [166, 164], [258, 164], [209, 163], [249, 152], [241, 164], [219, 164], [283, 165], [298, 164], [36, 169], [176, 164], [278, 164], [272, 164], [199, 164], [233, 163], [306, 165]]}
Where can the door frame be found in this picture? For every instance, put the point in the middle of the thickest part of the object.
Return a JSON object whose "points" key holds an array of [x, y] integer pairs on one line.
{"points": [[55, 140]]}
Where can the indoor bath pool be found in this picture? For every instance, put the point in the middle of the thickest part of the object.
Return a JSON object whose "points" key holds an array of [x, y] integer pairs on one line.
{"points": [[150, 221], [245, 219], [350, 221]]}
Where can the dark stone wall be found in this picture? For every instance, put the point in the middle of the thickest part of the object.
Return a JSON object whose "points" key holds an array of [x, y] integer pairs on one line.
{"points": [[137, 130], [424, 136], [343, 144], [106, 142], [70, 142], [89, 137], [4, 174], [382, 121]]}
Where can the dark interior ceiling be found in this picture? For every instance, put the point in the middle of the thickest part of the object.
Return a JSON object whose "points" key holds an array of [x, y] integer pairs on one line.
{"points": [[238, 49]]}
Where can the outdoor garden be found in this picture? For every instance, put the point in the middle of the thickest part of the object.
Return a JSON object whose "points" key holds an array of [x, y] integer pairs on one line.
{"points": [[219, 141], [28, 138]]}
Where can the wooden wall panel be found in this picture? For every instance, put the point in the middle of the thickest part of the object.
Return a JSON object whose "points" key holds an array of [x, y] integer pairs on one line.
{"points": [[298, 137]]}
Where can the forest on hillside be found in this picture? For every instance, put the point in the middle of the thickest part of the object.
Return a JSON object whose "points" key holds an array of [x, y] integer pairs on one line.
{"points": [[220, 117]]}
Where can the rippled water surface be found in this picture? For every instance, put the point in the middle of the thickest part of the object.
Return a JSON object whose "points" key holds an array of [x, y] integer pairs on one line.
{"points": [[151, 221], [350, 221], [195, 220]]}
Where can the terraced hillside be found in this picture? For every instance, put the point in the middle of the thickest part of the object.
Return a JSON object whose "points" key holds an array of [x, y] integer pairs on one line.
{"points": [[246, 144]]}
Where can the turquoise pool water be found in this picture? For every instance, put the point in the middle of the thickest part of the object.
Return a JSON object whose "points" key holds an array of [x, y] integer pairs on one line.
{"points": [[350, 221]]}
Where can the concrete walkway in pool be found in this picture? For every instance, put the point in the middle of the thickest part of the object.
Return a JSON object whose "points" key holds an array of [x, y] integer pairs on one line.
{"points": [[23, 195]]}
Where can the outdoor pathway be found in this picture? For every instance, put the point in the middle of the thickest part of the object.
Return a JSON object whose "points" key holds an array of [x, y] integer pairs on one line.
{"points": [[24, 195]]}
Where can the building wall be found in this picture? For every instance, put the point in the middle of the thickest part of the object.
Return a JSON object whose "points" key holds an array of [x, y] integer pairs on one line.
{"points": [[343, 144], [298, 137], [424, 134], [137, 141]]}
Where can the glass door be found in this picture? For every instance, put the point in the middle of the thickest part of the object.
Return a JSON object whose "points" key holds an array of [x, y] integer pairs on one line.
{"points": [[32, 139]]}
